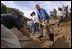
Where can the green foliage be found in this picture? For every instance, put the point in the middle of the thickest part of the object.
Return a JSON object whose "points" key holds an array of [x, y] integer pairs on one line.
{"points": [[20, 14], [3, 8]]}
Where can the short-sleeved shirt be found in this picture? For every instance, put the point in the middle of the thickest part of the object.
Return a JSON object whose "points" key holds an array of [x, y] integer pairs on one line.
{"points": [[10, 20], [60, 13]]}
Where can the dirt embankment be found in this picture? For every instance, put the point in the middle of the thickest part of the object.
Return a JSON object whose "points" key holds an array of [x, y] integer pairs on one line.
{"points": [[62, 38]]}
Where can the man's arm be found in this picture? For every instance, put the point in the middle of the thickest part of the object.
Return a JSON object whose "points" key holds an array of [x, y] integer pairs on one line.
{"points": [[44, 14]]}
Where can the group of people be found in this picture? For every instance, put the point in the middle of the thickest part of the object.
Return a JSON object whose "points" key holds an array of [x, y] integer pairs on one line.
{"points": [[43, 17], [36, 25], [10, 20]]}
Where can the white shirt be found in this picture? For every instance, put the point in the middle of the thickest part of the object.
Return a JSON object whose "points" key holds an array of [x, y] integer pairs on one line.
{"points": [[34, 19], [69, 11], [29, 22], [60, 13]]}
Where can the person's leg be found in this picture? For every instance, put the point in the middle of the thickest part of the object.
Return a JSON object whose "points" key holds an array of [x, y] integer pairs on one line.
{"points": [[48, 27], [40, 30], [60, 20], [9, 38], [45, 28], [49, 33], [35, 27], [32, 29]]}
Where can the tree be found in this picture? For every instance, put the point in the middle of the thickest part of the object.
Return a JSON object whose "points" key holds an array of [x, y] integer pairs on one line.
{"points": [[53, 14], [16, 11], [3, 8], [20, 14]]}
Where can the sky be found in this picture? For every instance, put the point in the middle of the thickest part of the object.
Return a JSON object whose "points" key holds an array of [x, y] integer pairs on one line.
{"points": [[29, 6]]}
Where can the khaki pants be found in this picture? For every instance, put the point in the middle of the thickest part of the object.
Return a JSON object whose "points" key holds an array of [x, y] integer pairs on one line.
{"points": [[9, 38], [60, 20], [46, 28]]}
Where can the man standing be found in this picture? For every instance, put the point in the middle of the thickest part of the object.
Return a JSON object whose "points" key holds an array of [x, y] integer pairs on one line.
{"points": [[60, 15], [43, 18]]}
